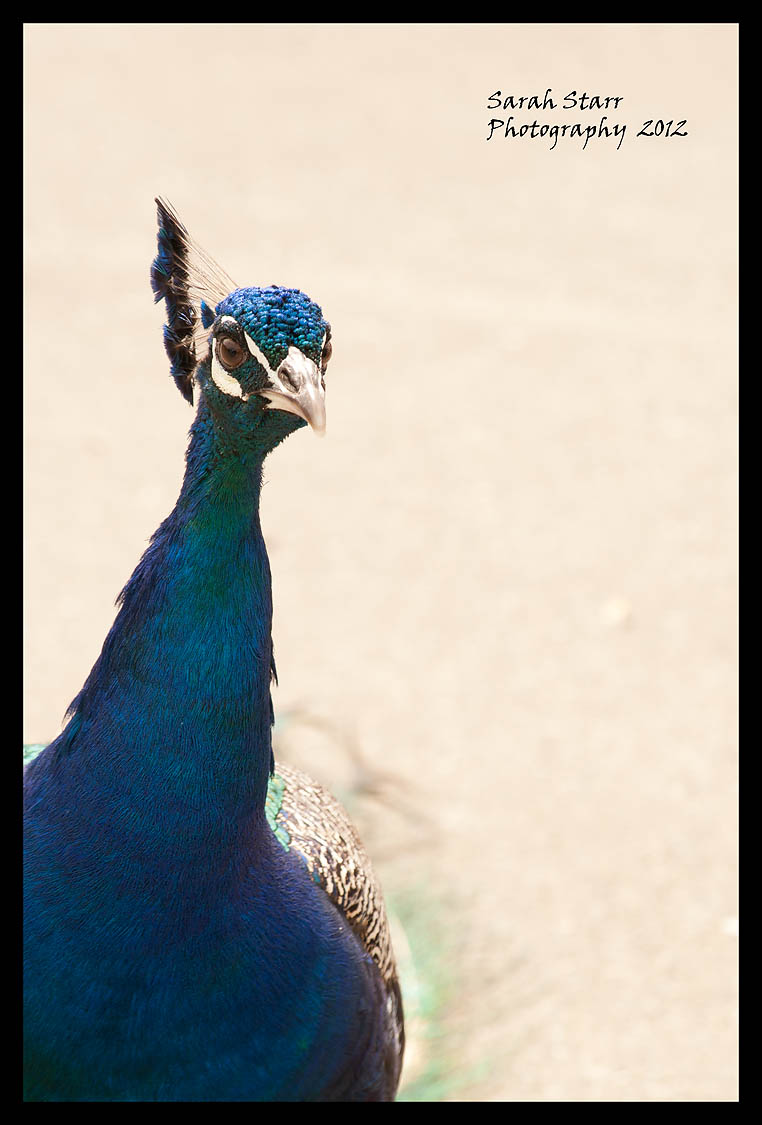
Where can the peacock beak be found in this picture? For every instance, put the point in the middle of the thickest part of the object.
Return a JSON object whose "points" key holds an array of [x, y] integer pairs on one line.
{"points": [[297, 386]]}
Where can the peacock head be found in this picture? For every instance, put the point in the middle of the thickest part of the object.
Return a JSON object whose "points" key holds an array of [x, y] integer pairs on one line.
{"points": [[273, 344], [258, 355]]}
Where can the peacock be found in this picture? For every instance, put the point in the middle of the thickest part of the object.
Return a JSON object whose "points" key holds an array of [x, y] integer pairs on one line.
{"points": [[201, 923]]}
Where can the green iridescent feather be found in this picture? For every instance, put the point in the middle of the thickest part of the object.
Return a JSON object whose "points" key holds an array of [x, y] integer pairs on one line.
{"points": [[273, 802]]}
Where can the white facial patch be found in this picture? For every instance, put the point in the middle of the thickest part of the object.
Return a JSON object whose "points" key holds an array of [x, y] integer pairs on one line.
{"points": [[227, 383]]}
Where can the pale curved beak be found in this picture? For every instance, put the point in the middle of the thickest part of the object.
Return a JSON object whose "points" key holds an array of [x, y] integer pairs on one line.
{"points": [[297, 386]]}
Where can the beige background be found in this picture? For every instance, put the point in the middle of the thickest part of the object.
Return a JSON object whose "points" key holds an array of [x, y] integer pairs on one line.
{"points": [[507, 578]]}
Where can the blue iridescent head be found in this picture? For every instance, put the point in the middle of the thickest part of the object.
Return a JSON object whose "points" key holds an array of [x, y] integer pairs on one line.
{"points": [[253, 352]]}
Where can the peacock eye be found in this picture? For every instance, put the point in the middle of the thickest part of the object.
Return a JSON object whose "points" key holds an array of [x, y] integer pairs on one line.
{"points": [[327, 353], [230, 353]]}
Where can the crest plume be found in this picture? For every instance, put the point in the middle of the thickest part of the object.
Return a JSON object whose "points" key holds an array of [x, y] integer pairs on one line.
{"points": [[191, 283]]}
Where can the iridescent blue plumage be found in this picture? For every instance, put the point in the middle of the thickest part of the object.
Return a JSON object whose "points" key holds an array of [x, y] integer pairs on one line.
{"points": [[184, 939]]}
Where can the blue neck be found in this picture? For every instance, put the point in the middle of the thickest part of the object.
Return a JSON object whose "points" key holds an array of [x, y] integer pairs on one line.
{"points": [[173, 722]]}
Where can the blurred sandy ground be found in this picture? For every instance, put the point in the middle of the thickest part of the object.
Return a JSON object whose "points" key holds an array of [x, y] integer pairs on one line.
{"points": [[508, 575]]}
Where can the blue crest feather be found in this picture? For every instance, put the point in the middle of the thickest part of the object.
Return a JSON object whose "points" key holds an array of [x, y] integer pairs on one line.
{"points": [[169, 281], [207, 315]]}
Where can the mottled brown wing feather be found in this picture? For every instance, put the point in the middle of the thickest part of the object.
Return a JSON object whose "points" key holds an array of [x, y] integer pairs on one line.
{"points": [[320, 830]]}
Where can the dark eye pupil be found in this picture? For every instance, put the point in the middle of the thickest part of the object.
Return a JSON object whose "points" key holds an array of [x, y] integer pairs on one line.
{"points": [[327, 352], [230, 352]]}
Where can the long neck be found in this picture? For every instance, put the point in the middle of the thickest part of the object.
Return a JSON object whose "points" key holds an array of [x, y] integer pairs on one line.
{"points": [[174, 720]]}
